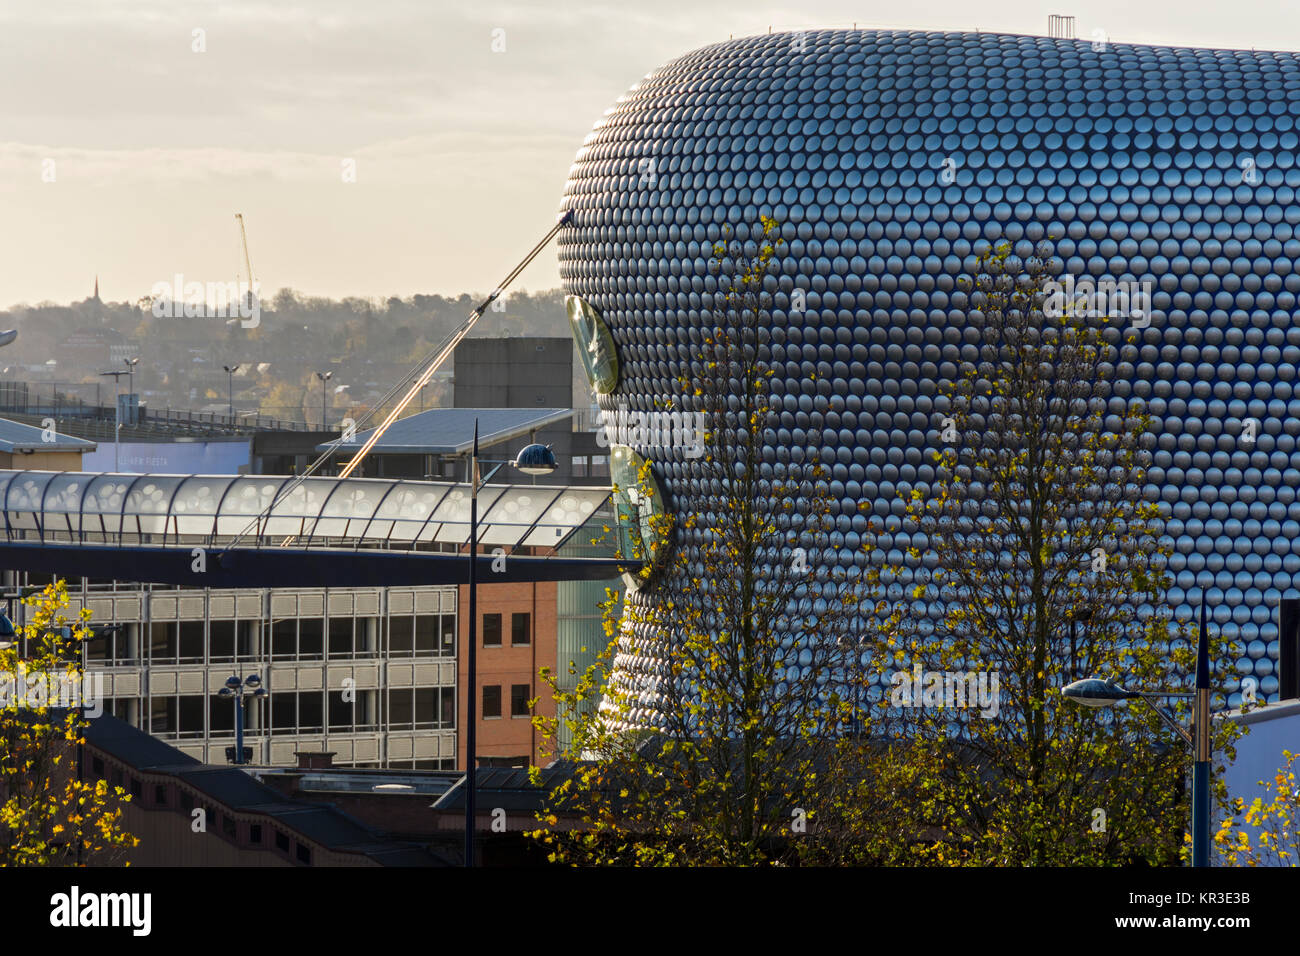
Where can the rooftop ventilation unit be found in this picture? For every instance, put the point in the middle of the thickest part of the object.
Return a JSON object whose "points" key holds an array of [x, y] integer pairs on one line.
{"points": [[1060, 27]]}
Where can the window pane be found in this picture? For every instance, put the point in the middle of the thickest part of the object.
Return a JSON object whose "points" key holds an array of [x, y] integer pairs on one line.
{"points": [[426, 634], [311, 637], [247, 635], [449, 633], [221, 637], [311, 712], [519, 694], [221, 714], [162, 640], [521, 631], [399, 707], [426, 709], [284, 638], [340, 637], [191, 638], [162, 715], [448, 704], [491, 630], [492, 701], [401, 634], [341, 711], [190, 715], [284, 713]]}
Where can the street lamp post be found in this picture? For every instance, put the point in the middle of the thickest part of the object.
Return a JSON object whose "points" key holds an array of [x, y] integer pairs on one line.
{"points": [[532, 460], [250, 686], [230, 387], [117, 418], [131, 363], [1094, 692], [324, 377]]}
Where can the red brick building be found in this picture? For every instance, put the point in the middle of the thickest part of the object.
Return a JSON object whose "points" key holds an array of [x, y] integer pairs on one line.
{"points": [[516, 639]]}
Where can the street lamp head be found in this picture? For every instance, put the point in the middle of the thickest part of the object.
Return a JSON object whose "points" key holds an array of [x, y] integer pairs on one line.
{"points": [[536, 460], [1094, 692], [233, 682], [225, 692], [252, 681]]}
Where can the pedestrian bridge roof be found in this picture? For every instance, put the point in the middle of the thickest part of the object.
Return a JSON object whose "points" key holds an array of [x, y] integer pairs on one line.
{"points": [[267, 510]]}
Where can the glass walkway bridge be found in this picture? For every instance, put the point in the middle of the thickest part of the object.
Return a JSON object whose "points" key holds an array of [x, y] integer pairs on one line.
{"points": [[276, 531]]}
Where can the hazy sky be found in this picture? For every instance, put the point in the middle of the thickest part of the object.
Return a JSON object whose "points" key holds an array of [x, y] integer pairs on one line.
{"points": [[461, 153]]}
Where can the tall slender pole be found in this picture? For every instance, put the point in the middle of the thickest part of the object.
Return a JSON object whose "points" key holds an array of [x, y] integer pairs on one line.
{"points": [[239, 726], [471, 675], [1201, 767]]}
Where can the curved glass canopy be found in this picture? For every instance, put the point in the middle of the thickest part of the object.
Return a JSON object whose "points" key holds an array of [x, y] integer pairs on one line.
{"points": [[270, 510]]}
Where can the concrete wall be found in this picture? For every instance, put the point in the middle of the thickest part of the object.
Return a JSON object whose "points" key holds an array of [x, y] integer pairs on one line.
{"points": [[514, 373], [43, 461]]}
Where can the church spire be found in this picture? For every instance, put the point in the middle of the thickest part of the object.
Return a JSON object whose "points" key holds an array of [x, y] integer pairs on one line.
{"points": [[97, 287]]}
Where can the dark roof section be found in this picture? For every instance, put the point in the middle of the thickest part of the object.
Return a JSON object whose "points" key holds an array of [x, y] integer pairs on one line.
{"points": [[234, 789], [17, 437], [506, 787], [450, 431]]}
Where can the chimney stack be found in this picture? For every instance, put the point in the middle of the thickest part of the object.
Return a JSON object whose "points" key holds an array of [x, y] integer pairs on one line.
{"points": [[315, 759]]}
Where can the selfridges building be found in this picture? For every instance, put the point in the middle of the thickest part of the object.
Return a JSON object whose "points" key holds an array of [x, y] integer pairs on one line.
{"points": [[886, 157]]}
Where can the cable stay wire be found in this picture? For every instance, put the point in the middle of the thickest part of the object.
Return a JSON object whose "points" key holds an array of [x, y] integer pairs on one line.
{"points": [[421, 373]]}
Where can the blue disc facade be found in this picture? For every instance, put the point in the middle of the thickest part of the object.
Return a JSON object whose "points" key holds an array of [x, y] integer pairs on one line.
{"points": [[886, 157]]}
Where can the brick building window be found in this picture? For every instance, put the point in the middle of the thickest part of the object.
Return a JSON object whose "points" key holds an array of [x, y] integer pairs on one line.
{"points": [[491, 630], [521, 629], [519, 694], [492, 701]]}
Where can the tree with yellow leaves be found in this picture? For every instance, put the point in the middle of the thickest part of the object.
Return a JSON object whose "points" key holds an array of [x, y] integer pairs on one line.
{"points": [[1276, 824], [48, 816], [728, 731], [1039, 559]]}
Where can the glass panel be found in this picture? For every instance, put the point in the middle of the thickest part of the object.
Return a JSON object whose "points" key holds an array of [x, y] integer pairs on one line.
{"points": [[514, 513], [595, 344], [451, 520], [311, 637], [573, 508], [340, 637], [349, 508], [246, 499], [302, 502], [311, 712], [195, 504], [401, 632], [400, 712], [106, 494], [149, 501], [23, 500], [405, 511], [191, 640], [426, 634], [426, 705]]}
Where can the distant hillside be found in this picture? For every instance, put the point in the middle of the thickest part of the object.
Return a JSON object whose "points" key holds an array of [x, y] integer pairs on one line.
{"points": [[367, 344]]}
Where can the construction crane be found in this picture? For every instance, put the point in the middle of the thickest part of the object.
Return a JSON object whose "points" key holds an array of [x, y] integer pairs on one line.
{"points": [[248, 265]]}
